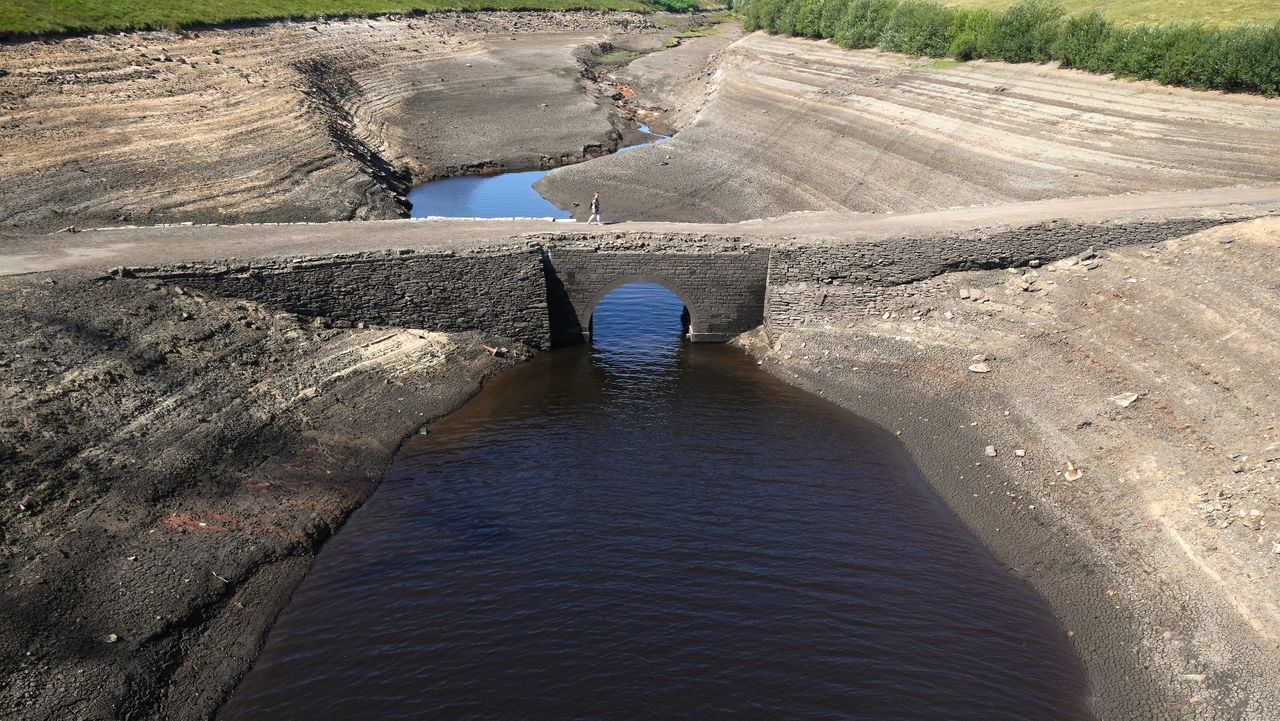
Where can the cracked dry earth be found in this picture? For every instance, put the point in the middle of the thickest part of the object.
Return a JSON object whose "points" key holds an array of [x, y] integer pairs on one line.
{"points": [[1153, 370]]}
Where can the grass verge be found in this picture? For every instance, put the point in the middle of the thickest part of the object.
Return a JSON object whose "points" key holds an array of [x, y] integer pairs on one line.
{"points": [[1156, 12]]}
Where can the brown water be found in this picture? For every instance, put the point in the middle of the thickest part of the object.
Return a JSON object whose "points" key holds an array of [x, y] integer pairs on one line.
{"points": [[644, 529]]}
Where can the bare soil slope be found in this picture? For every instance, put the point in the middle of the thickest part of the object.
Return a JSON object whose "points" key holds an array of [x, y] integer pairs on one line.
{"points": [[1155, 375], [791, 124], [170, 463], [290, 121]]}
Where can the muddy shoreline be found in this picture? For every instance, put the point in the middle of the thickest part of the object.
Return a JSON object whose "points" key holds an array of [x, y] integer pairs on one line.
{"points": [[172, 463], [1158, 560]]}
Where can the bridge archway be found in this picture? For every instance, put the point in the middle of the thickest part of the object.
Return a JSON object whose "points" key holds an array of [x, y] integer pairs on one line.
{"points": [[723, 292], [589, 312]]}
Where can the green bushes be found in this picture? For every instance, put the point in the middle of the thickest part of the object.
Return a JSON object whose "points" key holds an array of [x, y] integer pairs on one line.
{"points": [[919, 28], [1241, 58], [862, 22]]}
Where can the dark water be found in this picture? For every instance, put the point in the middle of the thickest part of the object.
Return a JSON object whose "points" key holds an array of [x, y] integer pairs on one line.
{"points": [[506, 195], [649, 530]]}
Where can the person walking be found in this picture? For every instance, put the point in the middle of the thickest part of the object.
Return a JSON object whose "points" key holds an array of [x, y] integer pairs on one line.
{"points": [[595, 210]]}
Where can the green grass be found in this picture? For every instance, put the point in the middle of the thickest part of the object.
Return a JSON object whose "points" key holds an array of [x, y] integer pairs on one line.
{"points": [[39, 17], [616, 57], [1156, 12], [710, 26]]}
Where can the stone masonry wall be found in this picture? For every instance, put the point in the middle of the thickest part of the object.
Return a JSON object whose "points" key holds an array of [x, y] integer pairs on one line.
{"points": [[724, 290], [838, 283], [503, 293]]}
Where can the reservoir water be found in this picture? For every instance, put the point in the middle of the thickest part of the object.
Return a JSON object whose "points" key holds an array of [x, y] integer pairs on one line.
{"points": [[505, 195], [647, 529]]}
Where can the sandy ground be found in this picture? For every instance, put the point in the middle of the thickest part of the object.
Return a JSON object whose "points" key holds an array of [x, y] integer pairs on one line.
{"points": [[1154, 374], [293, 121], [782, 124]]}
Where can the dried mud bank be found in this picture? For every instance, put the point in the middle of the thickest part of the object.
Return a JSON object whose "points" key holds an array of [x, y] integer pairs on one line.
{"points": [[771, 125], [1151, 370], [170, 464], [308, 121]]}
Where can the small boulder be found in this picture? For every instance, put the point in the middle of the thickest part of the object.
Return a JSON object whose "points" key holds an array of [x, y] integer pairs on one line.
{"points": [[1124, 400]]}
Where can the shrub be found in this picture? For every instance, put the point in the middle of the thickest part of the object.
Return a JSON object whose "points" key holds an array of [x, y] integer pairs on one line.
{"points": [[863, 22], [832, 15], [1026, 32], [1082, 42], [809, 18], [972, 32], [919, 28]]}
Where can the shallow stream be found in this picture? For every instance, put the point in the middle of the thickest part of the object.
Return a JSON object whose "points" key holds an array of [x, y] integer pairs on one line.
{"points": [[504, 195], [647, 529]]}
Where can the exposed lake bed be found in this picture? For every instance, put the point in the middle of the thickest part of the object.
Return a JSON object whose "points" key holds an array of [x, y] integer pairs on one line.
{"points": [[176, 459]]}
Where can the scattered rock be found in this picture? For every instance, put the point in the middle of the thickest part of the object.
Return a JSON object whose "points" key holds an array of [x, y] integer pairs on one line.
{"points": [[990, 451], [1072, 473], [111, 638], [980, 368], [1021, 453], [1124, 400]]}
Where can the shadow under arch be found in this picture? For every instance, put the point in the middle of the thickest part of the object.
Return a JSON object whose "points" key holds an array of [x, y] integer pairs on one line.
{"points": [[687, 317]]}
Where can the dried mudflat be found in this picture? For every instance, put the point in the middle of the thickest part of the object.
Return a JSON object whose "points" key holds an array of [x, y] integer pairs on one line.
{"points": [[309, 121], [779, 125], [176, 459]]}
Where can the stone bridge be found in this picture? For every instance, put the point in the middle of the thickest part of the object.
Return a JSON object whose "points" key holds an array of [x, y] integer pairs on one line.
{"points": [[541, 290], [723, 292]]}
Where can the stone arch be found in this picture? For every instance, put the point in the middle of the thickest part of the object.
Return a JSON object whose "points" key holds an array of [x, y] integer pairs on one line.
{"points": [[588, 312], [722, 290]]}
